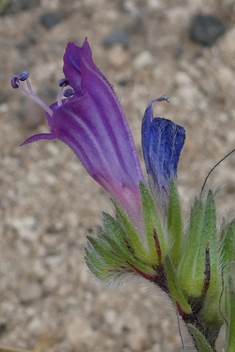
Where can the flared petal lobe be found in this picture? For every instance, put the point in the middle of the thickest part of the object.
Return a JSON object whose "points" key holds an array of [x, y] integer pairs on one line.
{"points": [[72, 66], [162, 142]]}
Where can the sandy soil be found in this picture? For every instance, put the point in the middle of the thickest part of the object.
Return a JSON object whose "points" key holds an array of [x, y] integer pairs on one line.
{"points": [[49, 299]]}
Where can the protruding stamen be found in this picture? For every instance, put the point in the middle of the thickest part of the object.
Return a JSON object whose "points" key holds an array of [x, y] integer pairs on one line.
{"points": [[23, 75], [29, 87], [15, 82], [68, 92], [59, 101], [63, 82]]}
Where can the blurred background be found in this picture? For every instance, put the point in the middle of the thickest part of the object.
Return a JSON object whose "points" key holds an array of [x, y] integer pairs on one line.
{"points": [[185, 49]]}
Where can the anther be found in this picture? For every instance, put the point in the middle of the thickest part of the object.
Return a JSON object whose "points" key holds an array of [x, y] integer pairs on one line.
{"points": [[15, 82], [165, 97], [23, 75], [63, 82], [162, 98], [68, 92]]}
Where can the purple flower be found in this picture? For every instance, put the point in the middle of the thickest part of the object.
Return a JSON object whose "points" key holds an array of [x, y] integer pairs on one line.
{"points": [[91, 122]]}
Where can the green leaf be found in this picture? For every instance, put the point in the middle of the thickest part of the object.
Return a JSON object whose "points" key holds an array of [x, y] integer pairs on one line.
{"points": [[186, 272], [176, 293], [201, 342], [133, 236], [210, 313], [174, 223], [153, 227], [118, 240], [208, 238], [105, 251], [227, 245], [109, 253], [96, 264], [231, 315]]}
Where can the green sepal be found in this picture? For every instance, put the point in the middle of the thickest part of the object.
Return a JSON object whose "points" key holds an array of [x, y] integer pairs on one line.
{"points": [[201, 342], [230, 316], [100, 256], [118, 239], [204, 228], [97, 266], [186, 272], [208, 237], [106, 251], [133, 236], [109, 253], [174, 223], [210, 313], [227, 245], [115, 235], [176, 293], [152, 222]]}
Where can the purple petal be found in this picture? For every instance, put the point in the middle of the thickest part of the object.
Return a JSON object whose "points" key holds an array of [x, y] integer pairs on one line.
{"points": [[38, 137], [162, 142], [98, 131], [75, 58], [98, 134], [72, 66]]}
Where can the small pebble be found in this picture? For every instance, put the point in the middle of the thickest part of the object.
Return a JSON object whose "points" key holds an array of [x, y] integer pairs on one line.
{"points": [[154, 4], [25, 227], [118, 56], [206, 29], [117, 37], [182, 79], [51, 19], [110, 316], [123, 82], [29, 292], [226, 48], [79, 331], [179, 53], [139, 340], [225, 77], [143, 60]]}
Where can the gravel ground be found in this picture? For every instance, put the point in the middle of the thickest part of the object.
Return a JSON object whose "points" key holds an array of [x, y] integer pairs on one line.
{"points": [[49, 299]]}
